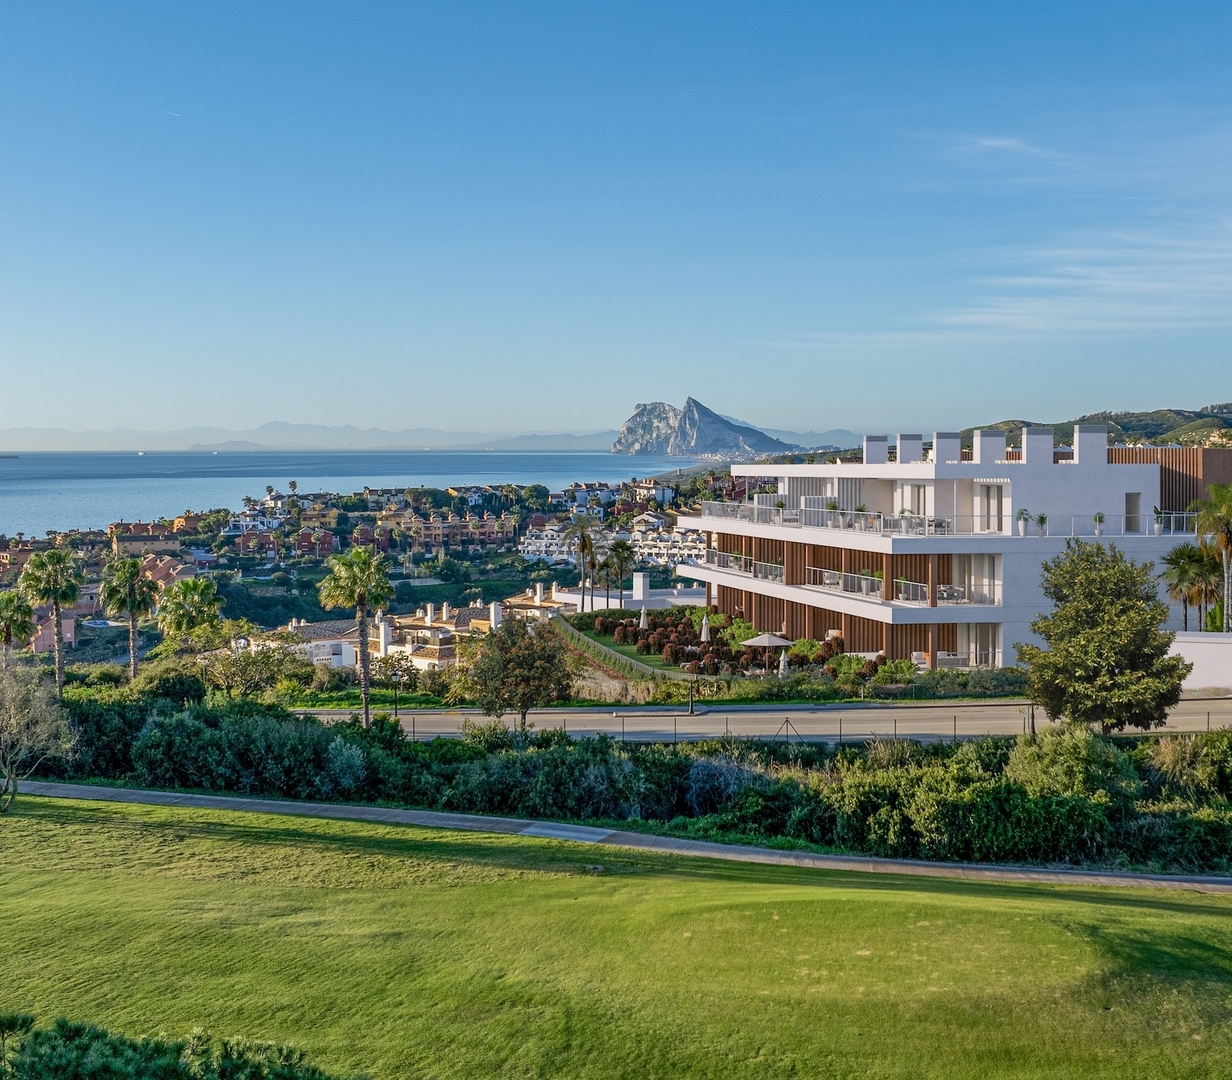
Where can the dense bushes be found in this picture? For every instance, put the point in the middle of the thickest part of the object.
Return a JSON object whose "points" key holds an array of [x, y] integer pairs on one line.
{"points": [[70, 1050], [1065, 795]]}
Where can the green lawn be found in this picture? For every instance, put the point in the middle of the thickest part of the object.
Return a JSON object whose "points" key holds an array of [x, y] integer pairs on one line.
{"points": [[404, 952], [654, 660]]}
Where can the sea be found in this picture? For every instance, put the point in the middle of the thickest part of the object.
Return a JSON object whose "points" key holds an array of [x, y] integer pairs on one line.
{"points": [[45, 491]]}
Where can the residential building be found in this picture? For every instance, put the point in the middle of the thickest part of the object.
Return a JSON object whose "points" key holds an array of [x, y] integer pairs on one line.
{"points": [[44, 640], [936, 556], [254, 519], [451, 531], [316, 542], [144, 541], [547, 543]]}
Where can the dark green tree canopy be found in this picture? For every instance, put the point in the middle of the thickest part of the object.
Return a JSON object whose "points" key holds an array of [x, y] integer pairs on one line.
{"points": [[520, 667], [1106, 657]]}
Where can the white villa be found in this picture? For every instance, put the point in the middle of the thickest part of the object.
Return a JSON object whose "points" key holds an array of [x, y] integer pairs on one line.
{"points": [[936, 556]]}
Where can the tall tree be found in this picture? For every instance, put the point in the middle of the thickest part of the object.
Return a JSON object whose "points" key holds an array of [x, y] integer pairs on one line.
{"points": [[53, 577], [16, 619], [1180, 576], [128, 593], [32, 727], [187, 604], [581, 535], [1106, 657], [521, 666], [1214, 528], [358, 579], [624, 558]]}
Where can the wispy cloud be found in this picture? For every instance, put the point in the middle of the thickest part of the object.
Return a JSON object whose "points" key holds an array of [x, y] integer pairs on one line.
{"points": [[1174, 281], [1006, 144]]}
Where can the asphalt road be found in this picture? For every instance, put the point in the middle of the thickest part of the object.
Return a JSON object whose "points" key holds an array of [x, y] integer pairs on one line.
{"points": [[829, 723]]}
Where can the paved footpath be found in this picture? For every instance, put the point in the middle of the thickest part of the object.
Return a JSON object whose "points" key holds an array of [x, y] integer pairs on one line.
{"points": [[669, 845]]}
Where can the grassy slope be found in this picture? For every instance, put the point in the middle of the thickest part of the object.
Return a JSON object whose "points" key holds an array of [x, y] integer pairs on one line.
{"points": [[407, 952]]}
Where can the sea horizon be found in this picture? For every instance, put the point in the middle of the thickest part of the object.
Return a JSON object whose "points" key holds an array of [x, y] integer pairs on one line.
{"points": [[43, 490]]}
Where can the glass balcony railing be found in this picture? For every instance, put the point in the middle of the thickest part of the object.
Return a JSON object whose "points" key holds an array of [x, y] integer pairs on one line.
{"points": [[742, 564], [1096, 524]]}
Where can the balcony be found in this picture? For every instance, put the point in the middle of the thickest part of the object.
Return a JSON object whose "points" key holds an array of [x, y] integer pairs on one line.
{"points": [[1093, 525], [904, 591], [741, 564]]}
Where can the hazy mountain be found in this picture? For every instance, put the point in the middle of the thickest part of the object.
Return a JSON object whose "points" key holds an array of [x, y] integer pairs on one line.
{"points": [[279, 435], [694, 431]]}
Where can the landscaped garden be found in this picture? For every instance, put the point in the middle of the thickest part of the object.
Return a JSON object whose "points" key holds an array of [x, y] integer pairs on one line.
{"points": [[399, 952], [671, 641]]}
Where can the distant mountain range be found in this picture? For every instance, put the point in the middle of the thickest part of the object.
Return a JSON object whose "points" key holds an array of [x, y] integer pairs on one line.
{"points": [[657, 427], [279, 435]]}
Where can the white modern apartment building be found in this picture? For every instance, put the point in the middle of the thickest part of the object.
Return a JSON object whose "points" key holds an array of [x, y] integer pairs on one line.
{"points": [[936, 556]]}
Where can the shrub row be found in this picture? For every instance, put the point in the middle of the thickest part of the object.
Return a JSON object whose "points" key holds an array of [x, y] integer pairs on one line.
{"points": [[1063, 796]]}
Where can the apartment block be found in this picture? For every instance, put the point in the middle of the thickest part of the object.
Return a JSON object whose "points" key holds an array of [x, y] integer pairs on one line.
{"points": [[936, 556]]}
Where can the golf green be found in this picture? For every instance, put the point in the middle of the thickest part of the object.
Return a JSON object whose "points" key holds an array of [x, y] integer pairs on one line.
{"points": [[403, 952]]}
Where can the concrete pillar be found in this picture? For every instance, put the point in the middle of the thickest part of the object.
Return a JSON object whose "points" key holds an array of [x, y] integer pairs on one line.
{"points": [[932, 581], [641, 587], [539, 591], [988, 447], [431, 615], [494, 614], [947, 446], [910, 449]]}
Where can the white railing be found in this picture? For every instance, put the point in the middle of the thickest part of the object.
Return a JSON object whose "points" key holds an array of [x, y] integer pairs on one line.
{"points": [[835, 581], [906, 592], [742, 564], [911, 592], [1093, 525], [969, 594]]}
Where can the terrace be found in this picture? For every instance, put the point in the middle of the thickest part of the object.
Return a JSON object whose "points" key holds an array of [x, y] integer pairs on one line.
{"points": [[1095, 524]]}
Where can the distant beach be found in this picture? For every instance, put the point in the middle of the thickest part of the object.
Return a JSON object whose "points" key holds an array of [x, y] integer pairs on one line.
{"points": [[41, 490]]}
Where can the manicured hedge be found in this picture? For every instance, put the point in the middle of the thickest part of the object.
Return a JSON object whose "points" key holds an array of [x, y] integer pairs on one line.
{"points": [[1065, 796]]}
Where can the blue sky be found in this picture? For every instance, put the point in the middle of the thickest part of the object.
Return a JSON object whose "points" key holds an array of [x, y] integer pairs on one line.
{"points": [[531, 217]]}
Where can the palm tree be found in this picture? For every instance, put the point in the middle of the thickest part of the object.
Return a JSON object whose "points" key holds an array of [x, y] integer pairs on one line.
{"points": [[188, 604], [1209, 584], [607, 572], [1181, 577], [129, 592], [1214, 526], [53, 577], [624, 558], [16, 618], [584, 545], [357, 579]]}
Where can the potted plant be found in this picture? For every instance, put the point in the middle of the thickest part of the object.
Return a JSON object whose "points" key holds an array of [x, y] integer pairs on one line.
{"points": [[1098, 518], [1041, 523], [1024, 515], [1159, 519]]}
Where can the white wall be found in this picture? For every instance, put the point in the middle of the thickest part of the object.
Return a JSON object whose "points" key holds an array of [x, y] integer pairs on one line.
{"points": [[1211, 656]]}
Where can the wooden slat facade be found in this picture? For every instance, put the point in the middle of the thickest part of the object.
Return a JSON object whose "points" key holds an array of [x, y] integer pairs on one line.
{"points": [[1185, 472]]}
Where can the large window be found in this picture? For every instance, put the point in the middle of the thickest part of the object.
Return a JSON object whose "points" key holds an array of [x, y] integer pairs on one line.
{"points": [[990, 506], [1133, 511]]}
